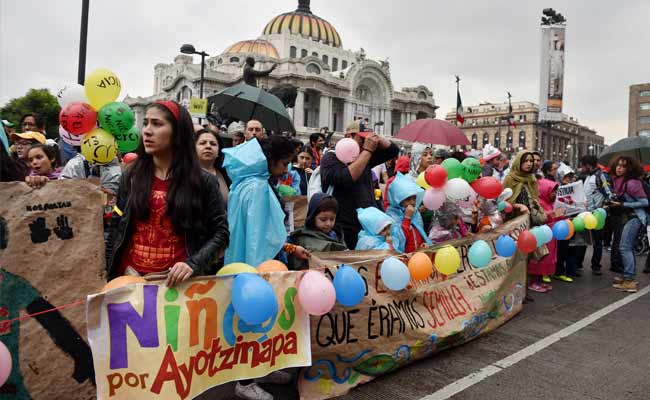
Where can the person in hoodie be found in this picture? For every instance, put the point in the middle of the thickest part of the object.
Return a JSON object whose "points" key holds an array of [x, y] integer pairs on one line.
{"points": [[448, 224], [407, 231], [421, 158], [401, 165], [376, 233], [570, 253], [319, 232]]}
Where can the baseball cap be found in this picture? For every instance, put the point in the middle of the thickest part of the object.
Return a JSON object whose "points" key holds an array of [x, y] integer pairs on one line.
{"points": [[37, 136], [358, 127], [7, 123]]}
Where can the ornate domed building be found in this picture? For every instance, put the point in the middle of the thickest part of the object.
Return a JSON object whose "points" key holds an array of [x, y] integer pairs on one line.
{"points": [[335, 86]]}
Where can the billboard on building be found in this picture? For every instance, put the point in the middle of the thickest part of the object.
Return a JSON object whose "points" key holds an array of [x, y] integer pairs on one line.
{"points": [[552, 73]]}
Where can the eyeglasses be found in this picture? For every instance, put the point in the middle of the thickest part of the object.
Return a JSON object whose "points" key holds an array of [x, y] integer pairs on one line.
{"points": [[23, 143]]}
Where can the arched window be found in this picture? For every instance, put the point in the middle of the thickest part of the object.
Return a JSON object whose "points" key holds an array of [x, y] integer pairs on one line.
{"points": [[314, 54], [303, 53], [497, 140], [474, 141], [293, 52], [335, 64], [509, 141], [486, 138], [313, 69], [234, 59], [326, 59], [422, 96], [522, 139], [344, 64], [220, 61]]}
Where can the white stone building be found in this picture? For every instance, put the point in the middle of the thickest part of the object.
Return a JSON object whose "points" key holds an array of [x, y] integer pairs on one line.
{"points": [[335, 85]]}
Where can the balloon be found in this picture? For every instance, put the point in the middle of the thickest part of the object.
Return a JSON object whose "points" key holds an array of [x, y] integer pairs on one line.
{"points": [[98, 147], [436, 176], [488, 187], [116, 118], [468, 201], [77, 118], [122, 281], [505, 246], [433, 199], [601, 211], [471, 169], [480, 254], [349, 286], [253, 299], [237, 268], [422, 182], [316, 293], [5, 363], [508, 207], [505, 194], [447, 260], [457, 189], [69, 138], [527, 242], [578, 224], [561, 230], [453, 167], [71, 93], [420, 266], [347, 150], [394, 273], [272, 266], [128, 141], [286, 190], [600, 217], [540, 237], [501, 206], [102, 87], [129, 158], [548, 233], [590, 221], [571, 229]]}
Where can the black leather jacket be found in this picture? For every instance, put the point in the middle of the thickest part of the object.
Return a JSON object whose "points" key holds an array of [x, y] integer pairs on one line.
{"points": [[203, 248]]}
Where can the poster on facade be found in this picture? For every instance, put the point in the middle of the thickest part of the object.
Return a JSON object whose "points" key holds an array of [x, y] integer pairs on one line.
{"points": [[154, 342], [390, 329], [51, 256], [571, 198], [552, 73]]}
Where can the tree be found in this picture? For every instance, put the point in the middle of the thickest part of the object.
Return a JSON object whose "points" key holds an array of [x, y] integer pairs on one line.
{"points": [[37, 101]]}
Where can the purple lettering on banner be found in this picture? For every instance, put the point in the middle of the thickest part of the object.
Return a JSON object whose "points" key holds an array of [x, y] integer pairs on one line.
{"points": [[145, 327]]}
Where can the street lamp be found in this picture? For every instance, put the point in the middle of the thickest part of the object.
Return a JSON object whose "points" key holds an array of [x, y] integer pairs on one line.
{"points": [[189, 49], [591, 148]]}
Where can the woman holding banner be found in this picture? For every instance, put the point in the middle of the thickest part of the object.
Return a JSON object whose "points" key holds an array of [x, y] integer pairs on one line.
{"points": [[169, 215]]}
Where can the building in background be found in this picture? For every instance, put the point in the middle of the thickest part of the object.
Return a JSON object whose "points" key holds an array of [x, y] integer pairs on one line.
{"points": [[639, 113], [335, 85], [565, 139]]}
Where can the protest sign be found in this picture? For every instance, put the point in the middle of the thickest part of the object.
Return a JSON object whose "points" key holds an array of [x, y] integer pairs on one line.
{"points": [[572, 198]]}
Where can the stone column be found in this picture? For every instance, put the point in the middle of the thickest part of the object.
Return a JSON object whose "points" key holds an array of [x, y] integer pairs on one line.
{"points": [[299, 111], [324, 111], [388, 123], [347, 114], [402, 122]]}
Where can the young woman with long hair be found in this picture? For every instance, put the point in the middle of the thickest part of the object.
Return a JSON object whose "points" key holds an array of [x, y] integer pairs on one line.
{"points": [[209, 146]]}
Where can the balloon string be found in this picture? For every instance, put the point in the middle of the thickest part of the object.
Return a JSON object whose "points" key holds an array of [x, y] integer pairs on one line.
{"points": [[10, 321]]}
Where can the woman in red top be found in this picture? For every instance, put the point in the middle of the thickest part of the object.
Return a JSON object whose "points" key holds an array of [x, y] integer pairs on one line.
{"points": [[170, 215]]}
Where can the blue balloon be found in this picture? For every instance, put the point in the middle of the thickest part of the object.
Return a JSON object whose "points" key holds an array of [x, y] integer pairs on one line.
{"points": [[501, 206], [548, 233], [349, 285], [561, 230], [539, 235], [480, 254], [394, 273], [253, 298], [505, 246]]}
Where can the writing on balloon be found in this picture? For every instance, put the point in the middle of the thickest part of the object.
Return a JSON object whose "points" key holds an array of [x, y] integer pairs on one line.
{"points": [[110, 80]]}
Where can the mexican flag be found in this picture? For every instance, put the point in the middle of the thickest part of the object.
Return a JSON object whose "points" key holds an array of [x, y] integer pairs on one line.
{"points": [[460, 118]]}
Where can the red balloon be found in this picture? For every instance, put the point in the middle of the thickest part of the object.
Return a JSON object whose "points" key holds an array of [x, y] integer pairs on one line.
{"points": [[436, 176], [508, 208], [129, 157], [78, 118], [527, 242], [487, 187]]}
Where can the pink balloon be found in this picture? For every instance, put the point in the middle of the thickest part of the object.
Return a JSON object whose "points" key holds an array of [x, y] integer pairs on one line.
{"points": [[69, 138], [5, 363], [347, 150], [434, 198], [316, 293], [469, 201], [129, 158]]}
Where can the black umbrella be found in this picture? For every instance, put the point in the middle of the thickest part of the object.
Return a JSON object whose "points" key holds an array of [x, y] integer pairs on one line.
{"points": [[245, 102], [637, 147]]}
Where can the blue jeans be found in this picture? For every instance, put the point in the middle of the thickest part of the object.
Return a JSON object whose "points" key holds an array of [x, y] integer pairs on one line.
{"points": [[628, 240]]}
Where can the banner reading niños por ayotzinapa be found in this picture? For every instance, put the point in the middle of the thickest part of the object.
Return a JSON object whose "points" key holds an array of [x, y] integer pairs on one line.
{"points": [[389, 329], [150, 341]]}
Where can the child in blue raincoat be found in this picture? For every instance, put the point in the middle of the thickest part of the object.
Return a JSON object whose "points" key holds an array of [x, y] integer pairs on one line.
{"points": [[407, 231], [375, 234]]}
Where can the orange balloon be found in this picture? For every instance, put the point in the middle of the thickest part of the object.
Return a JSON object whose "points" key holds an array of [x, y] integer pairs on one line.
{"points": [[271, 266], [420, 266], [122, 281], [572, 230]]}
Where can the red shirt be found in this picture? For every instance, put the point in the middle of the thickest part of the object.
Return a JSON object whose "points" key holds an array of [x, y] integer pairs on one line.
{"points": [[154, 246], [413, 238]]}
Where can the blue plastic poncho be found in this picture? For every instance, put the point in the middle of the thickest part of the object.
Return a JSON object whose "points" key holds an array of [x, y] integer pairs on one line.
{"points": [[402, 188], [373, 222], [255, 216]]}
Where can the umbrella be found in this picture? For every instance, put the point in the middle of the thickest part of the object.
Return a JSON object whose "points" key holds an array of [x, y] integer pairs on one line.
{"points": [[637, 147], [246, 102], [434, 131]]}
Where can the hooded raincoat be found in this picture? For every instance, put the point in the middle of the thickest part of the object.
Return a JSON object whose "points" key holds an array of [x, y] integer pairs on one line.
{"points": [[373, 222], [546, 265], [255, 216], [416, 157], [402, 188]]}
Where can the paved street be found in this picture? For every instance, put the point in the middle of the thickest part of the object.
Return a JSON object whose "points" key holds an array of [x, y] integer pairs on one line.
{"points": [[608, 359]]}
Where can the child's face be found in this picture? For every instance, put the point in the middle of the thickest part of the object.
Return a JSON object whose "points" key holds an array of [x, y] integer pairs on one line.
{"points": [[552, 195], [409, 201], [568, 178], [325, 221], [386, 233]]}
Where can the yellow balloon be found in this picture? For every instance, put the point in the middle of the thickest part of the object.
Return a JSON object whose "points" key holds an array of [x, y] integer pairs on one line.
{"points": [[447, 260], [590, 221], [422, 182], [102, 87], [236, 268], [98, 147]]}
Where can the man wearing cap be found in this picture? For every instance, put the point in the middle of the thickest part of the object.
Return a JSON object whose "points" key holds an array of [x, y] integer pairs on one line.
{"points": [[23, 141], [8, 127], [491, 158], [352, 183]]}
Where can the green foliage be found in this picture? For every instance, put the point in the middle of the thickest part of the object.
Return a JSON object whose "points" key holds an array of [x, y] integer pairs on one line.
{"points": [[37, 101]]}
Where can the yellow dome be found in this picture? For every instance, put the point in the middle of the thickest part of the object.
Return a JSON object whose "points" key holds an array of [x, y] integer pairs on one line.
{"points": [[260, 47], [303, 22]]}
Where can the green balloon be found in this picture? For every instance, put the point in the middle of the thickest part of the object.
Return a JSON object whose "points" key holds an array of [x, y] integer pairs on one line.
{"points": [[600, 218], [578, 224], [453, 167], [128, 141], [501, 206], [116, 118], [539, 235], [286, 190], [471, 169]]}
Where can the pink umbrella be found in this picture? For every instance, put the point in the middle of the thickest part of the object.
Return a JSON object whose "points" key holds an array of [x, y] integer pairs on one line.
{"points": [[434, 131]]}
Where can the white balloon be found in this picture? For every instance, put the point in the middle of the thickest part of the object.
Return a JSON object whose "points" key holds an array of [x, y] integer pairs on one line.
{"points": [[505, 195], [458, 190], [70, 93], [73, 140]]}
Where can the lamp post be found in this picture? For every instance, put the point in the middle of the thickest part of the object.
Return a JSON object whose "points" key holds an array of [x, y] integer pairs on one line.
{"points": [[83, 39], [591, 149], [189, 49]]}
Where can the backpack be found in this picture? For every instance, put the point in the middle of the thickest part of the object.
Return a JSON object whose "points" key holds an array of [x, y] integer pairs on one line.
{"points": [[316, 186], [603, 185]]}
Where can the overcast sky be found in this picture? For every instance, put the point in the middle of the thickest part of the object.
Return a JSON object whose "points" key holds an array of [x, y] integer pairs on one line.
{"points": [[493, 45]]}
